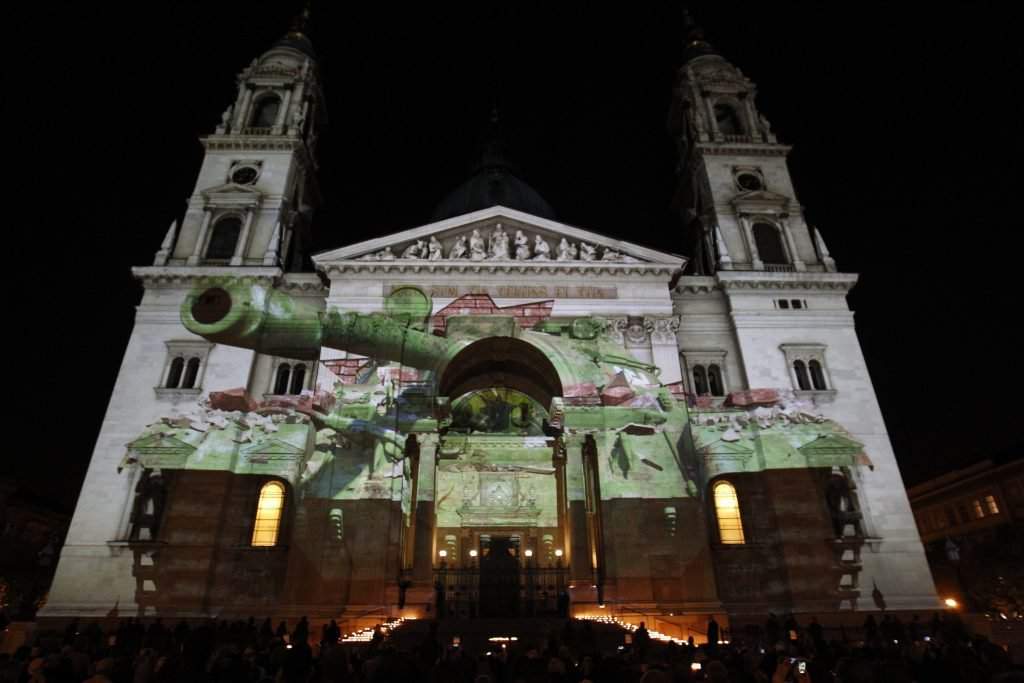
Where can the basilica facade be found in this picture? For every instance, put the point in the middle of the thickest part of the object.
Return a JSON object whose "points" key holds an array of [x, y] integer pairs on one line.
{"points": [[495, 413]]}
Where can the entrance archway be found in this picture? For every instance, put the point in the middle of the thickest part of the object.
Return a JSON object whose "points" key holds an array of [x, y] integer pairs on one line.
{"points": [[502, 362]]}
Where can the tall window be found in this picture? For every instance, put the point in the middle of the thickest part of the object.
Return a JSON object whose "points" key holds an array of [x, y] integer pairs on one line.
{"points": [[289, 379], [224, 239], [715, 381], [174, 374], [727, 120], [769, 244], [990, 503], [802, 381], [727, 509], [817, 375], [264, 114], [268, 515], [700, 381]]}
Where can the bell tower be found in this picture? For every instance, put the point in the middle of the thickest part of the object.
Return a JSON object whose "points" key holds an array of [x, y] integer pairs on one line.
{"points": [[735, 194], [257, 186]]}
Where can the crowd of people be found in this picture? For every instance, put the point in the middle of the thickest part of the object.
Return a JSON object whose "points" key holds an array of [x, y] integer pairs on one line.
{"points": [[779, 651]]}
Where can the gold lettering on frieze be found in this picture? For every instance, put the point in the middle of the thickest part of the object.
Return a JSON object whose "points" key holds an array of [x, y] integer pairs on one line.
{"points": [[520, 291]]}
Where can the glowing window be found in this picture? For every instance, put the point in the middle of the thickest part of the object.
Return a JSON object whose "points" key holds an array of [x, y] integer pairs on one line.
{"points": [[979, 511], [990, 502], [268, 515], [727, 509]]}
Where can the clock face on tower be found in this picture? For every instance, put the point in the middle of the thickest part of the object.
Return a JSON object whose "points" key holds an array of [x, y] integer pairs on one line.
{"points": [[244, 175]]}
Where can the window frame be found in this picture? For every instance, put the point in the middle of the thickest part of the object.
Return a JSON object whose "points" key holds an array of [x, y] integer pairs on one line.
{"points": [[705, 359], [308, 378], [186, 350], [281, 516], [216, 220], [717, 508], [805, 354]]}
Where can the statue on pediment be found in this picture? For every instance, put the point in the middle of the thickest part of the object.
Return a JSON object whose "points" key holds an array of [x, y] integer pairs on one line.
{"points": [[417, 249], [499, 244], [477, 250], [434, 248], [460, 249], [386, 254], [541, 249], [611, 255], [522, 246], [587, 252], [565, 251]]}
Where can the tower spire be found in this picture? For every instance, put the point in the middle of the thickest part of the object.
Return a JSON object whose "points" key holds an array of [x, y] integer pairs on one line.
{"points": [[695, 43]]}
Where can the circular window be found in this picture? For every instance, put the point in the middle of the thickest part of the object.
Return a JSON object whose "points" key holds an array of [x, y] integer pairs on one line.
{"points": [[244, 175], [748, 182]]}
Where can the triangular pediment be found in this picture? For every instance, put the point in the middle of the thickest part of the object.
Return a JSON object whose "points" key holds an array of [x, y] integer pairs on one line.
{"points": [[726, 448], [232, 193], [499, 235], [272, 447], [760, 201], [832, 443], [160, 442]]}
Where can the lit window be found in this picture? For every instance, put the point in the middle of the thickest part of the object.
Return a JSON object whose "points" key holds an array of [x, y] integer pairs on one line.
{"points": [[979, 511], [990, 503], [268, 515], [727, 509]]}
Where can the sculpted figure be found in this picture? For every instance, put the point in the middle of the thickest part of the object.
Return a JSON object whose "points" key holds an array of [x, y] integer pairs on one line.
{"points": [[477, 251], [436, 252], [587, 252], [499, 244], [415, 250], [386, 255], [522, 246], [541, 249], [611, 255], [459, 249], [565, 251]]}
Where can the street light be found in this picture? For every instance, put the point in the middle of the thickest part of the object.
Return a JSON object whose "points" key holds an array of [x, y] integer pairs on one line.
{"points": [[442, 554], [559, 553], [472, 553], [529, 553], [951, 603]]}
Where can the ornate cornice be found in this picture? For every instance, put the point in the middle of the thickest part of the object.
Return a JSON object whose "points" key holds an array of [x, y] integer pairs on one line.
{"points": [[275, 143], [746, 149], [842, 282], [171, 277], [589, 268], [696, 284]]}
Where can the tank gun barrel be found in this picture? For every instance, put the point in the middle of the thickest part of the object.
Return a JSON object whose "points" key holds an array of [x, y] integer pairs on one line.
{"points": [[257, 317]]}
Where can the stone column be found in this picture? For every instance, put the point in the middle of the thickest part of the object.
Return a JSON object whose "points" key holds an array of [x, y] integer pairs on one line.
{"points": [[665, 348], [748, 232], [794, 257], [577, 551], [634, 333], [242, 112], [424, 522], [243, 238], [197, 250], [282, 113]]}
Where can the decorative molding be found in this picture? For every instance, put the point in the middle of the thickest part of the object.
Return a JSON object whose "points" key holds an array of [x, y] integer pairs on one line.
{"points": [[588, 268], [665, 330], [169, 277], [757, 149], [754, 279]]}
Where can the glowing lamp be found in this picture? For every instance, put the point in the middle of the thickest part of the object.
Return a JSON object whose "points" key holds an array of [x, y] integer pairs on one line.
{"points": [[529, 553], [472, 553], [951, 603], [442, 554], [559, 553]]}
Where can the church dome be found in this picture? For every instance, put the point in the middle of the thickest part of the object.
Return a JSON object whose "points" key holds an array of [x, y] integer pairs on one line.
{"points": [[493, 186], [493, 183]]}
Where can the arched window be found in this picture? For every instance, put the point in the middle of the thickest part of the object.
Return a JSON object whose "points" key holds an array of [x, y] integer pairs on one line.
{"points": [[817, 375], [298, 378], [801, 375], [174, 374], [284, 371], [727, 509], [224, 239], [715, 380], [769, 243], [191, 373], [264, 114], [268, 515], [700, 381], [727, 120]]}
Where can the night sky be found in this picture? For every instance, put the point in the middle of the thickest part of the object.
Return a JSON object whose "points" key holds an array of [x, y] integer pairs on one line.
{"points": [[902, 126]]}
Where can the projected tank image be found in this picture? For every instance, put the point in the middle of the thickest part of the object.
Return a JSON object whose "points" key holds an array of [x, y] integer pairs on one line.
{"points": [[440, 444]]}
